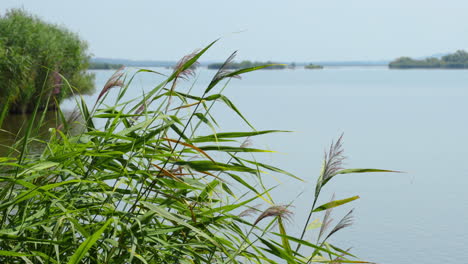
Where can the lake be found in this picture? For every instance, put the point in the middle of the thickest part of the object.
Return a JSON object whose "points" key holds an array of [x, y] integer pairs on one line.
{"points": [[413, 121]]}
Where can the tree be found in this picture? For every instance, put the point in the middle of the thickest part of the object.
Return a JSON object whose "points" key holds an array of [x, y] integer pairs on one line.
{"points": [[457, 60], [35, 58]]}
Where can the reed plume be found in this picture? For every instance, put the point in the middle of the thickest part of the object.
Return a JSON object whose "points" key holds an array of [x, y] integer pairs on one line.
{"points": [[332, 163], [114, 81], [223, 71], [327, 220], [333, 159], [273, 211], [183, 71], [250, 211], [346, 221]]}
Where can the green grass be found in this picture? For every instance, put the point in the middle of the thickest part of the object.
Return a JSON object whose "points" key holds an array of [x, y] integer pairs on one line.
{"points": [[148, 187]]}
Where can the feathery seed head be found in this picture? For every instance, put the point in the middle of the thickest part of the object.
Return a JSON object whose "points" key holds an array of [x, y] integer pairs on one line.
{"points": [[275, 210], [327, 220], [247, 143], [114, 81], [346, 221], [184, 72], [224, 69], [250, 211], [57, 82], [332, 163]]}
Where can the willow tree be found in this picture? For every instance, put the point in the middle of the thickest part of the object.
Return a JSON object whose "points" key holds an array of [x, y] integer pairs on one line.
{"points": [[36, 58]]}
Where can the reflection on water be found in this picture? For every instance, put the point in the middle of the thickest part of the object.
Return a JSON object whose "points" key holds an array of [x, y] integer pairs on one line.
{"points": [[14, 128]]}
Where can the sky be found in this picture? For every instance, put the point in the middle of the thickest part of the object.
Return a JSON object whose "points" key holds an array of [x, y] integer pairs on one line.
{"points": [[286, 31]]}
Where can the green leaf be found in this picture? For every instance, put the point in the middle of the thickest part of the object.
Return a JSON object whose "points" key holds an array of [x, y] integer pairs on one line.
{"points": [[215, 80], [284, 239], [107, 116], [314, 224], [44, 256], [275, 169], [39, 167], [308, 244], [335, 203], [205, 165], [87, 244], [4, 111], [277, 251], [86, 115], [348, 171], [29, 239], [344, 252], [245, 70], [234, 108], [79, 227], [13, 254], [230, 207], [232, 149], [162, 212], [219, 136], [138, 126], [21, 197]]}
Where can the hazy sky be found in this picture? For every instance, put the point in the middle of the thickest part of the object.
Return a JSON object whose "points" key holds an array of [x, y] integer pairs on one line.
{"points": [[294, 30]]}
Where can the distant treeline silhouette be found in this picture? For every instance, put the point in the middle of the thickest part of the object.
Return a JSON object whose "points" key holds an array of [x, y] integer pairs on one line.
{"points": [[457, 60], [247, 64]]}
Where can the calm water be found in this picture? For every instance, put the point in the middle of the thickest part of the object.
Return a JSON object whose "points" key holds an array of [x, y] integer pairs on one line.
{"points": [[414, 121]]}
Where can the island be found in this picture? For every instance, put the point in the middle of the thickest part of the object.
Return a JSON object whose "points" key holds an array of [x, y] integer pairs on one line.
{"points": [[247, 64], [313, 67], [104, 66], [457, 60]]}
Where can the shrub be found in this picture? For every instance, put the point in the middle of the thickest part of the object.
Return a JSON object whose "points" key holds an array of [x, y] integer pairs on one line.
{"points": [[34, 56]]}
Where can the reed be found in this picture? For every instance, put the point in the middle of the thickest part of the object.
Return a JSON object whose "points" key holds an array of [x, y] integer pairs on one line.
{"points": [[147, 187]]}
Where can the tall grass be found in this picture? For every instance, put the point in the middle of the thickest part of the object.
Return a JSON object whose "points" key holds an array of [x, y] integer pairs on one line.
{"points": [[148, 187]]}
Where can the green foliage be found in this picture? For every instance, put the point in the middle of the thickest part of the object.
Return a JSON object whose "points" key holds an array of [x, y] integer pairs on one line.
{"points": [[34, 58], [457, 60], [144, 184]]}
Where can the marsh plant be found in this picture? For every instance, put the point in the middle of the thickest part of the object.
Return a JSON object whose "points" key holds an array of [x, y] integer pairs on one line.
{"points": [[145, 183]]}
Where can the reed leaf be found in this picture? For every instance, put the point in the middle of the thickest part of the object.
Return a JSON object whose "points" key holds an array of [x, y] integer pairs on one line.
{"points": [[335, 203], [87, 244]]}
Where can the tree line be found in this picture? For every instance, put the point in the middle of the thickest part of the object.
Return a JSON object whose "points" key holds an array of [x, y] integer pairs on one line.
{"points": [[457, 60], [247, 64]]}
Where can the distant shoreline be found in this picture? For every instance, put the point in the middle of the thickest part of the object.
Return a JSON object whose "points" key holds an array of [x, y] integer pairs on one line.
{"points": [[454, 61], [328, 67], [156, 63]]}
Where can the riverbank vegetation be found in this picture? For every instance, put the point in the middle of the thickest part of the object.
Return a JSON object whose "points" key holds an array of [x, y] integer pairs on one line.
{"points": [[457, 60], [248, 64], [151, 180], [35, 58]]}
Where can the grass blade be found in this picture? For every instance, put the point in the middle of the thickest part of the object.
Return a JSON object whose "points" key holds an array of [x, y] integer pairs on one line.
{"points": [[87, 244], [335, 204]]}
